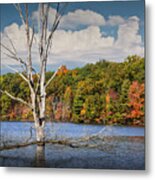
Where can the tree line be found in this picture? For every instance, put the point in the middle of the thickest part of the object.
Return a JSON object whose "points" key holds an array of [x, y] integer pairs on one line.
{"points": [[109, 93]]}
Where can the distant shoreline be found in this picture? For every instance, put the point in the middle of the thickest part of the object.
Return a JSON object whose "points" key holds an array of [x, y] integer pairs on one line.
{"points": [[31, 121]]}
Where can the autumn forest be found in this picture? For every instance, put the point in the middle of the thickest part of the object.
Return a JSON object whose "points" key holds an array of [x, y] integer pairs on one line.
{"points": [[107, 93]]}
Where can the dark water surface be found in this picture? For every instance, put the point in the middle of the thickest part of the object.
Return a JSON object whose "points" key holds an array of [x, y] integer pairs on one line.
{"points": [[105, 147]]}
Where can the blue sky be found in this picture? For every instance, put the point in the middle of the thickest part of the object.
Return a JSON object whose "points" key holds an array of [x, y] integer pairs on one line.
{"points": [[107, 21], [125, 9]]}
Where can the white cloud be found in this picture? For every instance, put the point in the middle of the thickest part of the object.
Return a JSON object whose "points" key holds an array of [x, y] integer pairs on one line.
{"points": [[83, 46], [36, 16], [73, 20], [81, 18], [83, 40], [115, 20], [16, 34], [128, 35]]}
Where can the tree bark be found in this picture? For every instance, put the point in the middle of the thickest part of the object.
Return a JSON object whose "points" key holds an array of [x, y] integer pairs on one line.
{"points": [[38, 119], [40, 135]]}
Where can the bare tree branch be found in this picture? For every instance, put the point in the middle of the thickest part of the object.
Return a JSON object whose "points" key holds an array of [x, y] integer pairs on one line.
{"points": [[29, 43], [55, 24], [31, 128], [13, 55], [25, 22], [19, 73], [11, 43], [46, 22], [32, 37], [58, 16], [42, 28], [16, 98], [17, 6], [38, 90], [52, 77], [18, 59]]}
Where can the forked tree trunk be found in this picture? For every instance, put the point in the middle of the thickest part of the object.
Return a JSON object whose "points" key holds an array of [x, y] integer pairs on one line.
{"points": [[38, 91]]}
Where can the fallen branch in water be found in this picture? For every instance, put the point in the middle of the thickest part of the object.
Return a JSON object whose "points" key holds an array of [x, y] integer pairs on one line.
{"points": [[83, 142], [69, 142]]}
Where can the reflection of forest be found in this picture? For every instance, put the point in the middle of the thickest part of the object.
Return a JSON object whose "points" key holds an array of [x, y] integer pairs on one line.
{"points": [[103, 93]]}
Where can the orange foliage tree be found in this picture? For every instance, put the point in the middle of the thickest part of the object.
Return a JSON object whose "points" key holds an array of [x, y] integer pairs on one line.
{"points": [[136, 102]]}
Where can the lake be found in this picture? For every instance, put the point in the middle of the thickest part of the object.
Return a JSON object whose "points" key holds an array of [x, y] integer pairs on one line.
{"points": [[93, 146]]}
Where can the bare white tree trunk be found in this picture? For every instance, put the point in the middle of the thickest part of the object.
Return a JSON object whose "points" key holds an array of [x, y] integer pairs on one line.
{"points": [[40, 129], [38, 90], [40, 135], [39, 125]]}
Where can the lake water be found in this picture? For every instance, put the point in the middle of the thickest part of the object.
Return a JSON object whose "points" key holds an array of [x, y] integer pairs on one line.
{"points": [[124, 150]]}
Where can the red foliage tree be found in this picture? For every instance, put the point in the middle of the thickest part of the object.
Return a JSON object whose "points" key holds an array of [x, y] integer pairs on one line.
{"points": [[59, 111], [136, 103], [62, 71]]}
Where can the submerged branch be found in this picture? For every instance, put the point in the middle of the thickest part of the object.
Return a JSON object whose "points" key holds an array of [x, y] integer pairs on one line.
{"points": [[30, 135], [105, 143]]}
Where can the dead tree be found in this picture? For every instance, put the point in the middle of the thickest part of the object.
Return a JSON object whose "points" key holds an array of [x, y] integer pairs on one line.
{"points": [[37, 90]]}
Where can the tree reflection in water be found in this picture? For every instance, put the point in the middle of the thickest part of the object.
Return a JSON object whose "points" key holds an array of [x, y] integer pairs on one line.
{"points": [[40, 156]]}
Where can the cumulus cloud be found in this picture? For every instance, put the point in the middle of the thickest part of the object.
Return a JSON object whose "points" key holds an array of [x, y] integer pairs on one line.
{"points": [[83, 40], [128, 35], [36, 16], [73, 20], [81, 18], [115, 20], [78, 47], [15, 34]]}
